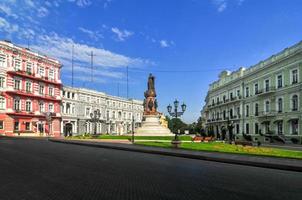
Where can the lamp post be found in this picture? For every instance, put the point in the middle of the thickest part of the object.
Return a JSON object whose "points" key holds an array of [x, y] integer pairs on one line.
{"points": [[95, 117], [176, 114]]}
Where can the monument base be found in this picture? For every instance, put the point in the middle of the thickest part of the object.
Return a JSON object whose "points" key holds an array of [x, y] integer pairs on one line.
{"points": [[152, 127]]}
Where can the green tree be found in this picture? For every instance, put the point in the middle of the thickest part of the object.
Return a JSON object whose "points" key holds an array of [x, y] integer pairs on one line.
{"points": [[176, 124]]}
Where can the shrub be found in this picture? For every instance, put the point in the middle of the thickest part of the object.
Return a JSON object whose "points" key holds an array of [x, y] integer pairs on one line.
{"points": [[295, 140]]}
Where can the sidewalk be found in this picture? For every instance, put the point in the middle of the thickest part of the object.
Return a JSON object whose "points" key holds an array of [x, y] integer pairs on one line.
{"points": [[256, 161]]}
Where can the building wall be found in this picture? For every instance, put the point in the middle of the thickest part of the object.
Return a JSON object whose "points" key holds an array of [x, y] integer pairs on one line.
{"points": [[115, 112], [230, 93], [28, 78]]}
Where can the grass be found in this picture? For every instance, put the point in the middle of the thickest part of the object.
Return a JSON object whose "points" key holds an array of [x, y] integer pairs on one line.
{"points": [[228, 148], [126, 137]]}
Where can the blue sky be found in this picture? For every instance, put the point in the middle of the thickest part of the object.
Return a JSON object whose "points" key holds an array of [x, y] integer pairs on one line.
{"points": [[184, 43]]}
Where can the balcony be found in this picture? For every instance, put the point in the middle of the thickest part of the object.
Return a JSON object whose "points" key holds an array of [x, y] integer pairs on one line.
{"points": [[31, 75], [265, 91], [30, 94], [267, 114]]}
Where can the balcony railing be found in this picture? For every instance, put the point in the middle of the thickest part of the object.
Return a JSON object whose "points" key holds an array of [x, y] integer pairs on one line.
{"points": [[29, 74], [266, 90]]}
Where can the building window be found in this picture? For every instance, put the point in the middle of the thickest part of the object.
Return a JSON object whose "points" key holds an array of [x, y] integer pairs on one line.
{"points": [[280, 127], [2, 81], [28, 86], [2, 60], [231, 96], [1, 125], [247, 110], [17, 84], [41, 107], [51, 74], [41, 71], [256, 109], [267, 85], [256, 88], [50, 108], [107, 114], [113, 115], [280, 105], [224, 114], [16, 126], [41, 89], [2, 103], [231, 113], [50, 91], [247, 128], [279, 81], [28, 68], [294, 76], [16, 104], [224, 98], [256, 128], [27, 126], [237, 128], [17, 65], [294, 127], [28, 106], [267, 104], [295, 103], [238, 93], [247, 91], [87, 112]]}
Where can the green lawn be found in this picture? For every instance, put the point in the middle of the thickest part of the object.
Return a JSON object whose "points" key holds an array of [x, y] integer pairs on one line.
{"points": [[228, 148], [119, 137]]}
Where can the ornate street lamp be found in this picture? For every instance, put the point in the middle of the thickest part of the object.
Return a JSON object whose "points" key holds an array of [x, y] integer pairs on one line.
{"points": [[95, 117], [176, 114]]}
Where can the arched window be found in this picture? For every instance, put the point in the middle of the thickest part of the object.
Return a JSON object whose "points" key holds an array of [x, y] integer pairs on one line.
{"points": [[295, 102], [280, 105]]}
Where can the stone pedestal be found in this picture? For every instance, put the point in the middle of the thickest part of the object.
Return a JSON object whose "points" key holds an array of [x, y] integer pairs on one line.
{"points": [[152, 127]]}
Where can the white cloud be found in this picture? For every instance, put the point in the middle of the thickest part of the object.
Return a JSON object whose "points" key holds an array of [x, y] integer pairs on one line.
{"points": [[220, 4], [165, 43], [95, 35], [6, 27], [121, 35], [42, 12], [7, 11], [104, 61], [81, 3], [106, 3]]}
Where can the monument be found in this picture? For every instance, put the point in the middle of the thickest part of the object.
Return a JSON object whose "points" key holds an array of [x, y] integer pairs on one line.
{"points": [[151, 125]]}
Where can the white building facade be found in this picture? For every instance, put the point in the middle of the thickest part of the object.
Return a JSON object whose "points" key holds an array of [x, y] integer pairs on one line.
{"points": [[117, 114], [264, 99]]}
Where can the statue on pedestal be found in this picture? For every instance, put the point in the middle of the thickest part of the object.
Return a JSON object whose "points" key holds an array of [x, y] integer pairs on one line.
{"points": [[150, 102], [151, 124]]}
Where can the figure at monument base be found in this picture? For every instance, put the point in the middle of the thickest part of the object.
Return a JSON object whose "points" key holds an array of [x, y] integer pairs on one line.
{"points": [[151, 125]]}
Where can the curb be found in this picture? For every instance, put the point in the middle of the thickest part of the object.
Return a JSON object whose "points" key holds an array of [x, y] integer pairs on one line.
{"points": [[190, 155]]}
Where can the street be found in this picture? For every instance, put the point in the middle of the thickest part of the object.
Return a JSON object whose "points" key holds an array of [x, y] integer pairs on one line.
{"points": [[40, 169]]}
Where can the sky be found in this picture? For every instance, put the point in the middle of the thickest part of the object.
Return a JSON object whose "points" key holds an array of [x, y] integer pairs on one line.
{"points": [[185, 44]]}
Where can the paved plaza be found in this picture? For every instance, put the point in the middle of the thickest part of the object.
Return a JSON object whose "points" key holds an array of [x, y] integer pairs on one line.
{"points": [[40, 169]]}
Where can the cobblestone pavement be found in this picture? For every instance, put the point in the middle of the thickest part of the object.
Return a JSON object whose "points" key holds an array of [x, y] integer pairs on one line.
{"points": [[39, 169]]}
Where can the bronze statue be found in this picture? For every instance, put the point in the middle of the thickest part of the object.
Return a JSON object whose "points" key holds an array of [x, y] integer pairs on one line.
{"points": [[150, 102]]}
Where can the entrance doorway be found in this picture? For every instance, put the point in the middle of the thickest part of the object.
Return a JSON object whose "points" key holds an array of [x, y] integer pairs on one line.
{"points": [[68, 129]]}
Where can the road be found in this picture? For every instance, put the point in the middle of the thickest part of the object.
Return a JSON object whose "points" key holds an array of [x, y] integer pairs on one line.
{"points": [[40, 169]]}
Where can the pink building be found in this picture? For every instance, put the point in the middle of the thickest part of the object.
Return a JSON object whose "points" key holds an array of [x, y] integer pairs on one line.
{"points": [[30, 88]]}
